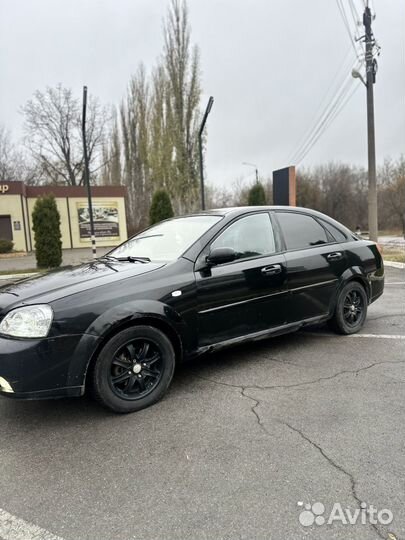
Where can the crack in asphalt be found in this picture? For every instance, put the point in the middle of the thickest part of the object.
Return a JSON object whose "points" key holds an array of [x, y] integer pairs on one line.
{"points": [[338, 467], [305, 383], [328, 459], [256, 403], [254, 411]]}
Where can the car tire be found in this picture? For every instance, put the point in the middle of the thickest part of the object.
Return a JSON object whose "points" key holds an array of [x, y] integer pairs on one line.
{"points": [[133, 370], [351, 309]]}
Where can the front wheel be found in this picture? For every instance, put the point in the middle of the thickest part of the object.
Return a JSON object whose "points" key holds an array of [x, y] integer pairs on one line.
{"points": [[134, 369], [351, 309]]}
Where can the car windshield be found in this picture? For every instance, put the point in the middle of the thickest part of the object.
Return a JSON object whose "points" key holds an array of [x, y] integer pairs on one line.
{"points": [[165, 241]]}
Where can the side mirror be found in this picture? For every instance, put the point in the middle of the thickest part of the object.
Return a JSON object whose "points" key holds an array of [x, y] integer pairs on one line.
{"points": [[221, 256]]}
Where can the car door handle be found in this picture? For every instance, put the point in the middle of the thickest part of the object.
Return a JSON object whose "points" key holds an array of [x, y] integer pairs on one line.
{"points": [[271, 270], [335, 256]]}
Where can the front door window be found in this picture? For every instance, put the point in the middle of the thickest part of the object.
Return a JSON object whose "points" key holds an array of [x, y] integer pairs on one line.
{"points": [[251, 236]]}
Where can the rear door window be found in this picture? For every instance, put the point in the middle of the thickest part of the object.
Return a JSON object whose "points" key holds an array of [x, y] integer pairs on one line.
{"points": [[301, 231]]}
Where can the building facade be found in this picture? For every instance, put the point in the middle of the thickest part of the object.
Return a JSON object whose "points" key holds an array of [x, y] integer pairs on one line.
{"points": [[17, 202]]}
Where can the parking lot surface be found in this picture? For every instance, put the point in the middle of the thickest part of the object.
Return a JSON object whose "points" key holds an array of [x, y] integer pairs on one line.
{"points": [[241, 443]]}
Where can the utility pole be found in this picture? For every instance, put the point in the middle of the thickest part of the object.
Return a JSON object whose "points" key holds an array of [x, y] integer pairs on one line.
{"points": [[87, 174], [371, 69], [200, 148]]}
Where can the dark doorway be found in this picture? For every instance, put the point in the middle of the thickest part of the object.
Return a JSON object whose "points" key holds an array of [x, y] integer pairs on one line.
{"points": [[6, 232]]}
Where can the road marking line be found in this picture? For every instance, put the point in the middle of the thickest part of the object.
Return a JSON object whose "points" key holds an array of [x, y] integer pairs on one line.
{"points": [[14, 528], [377, 336], [396, 283]]}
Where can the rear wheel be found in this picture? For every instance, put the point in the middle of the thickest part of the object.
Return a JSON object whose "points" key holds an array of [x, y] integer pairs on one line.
{"points": [[134, 369], [351, 309]]}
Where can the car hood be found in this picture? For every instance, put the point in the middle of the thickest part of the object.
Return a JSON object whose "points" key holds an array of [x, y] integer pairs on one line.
{"points": [[70, 280]]}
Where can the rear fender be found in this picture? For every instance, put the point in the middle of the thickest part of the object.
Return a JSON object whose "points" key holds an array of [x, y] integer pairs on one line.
{"points": [[354, 273]]}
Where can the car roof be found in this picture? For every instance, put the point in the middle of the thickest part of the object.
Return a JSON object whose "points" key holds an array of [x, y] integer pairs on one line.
{"points": [[234, 210]]}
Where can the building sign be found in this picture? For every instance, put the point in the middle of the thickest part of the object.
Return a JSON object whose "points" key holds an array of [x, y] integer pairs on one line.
{"points": [[4, 188], [105, 218]]}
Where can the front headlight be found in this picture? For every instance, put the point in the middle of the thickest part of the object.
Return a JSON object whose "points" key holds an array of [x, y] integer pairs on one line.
{"points": [[27, 322]]}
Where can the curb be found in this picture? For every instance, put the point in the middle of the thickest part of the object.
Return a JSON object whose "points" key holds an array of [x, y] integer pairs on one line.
{"points": [[394, 264], [17, 276]]}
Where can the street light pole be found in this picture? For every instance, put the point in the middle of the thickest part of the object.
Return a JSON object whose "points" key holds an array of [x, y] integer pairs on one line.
{"points": [[200, 149], [255, 167], [87, 174]]}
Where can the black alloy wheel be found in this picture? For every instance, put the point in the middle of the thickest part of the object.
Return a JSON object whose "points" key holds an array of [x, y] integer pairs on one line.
{"points": [[351, 309], [134, 369]]}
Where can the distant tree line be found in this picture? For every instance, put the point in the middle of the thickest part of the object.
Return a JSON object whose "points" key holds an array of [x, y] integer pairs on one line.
{"points": [[337, 189]]}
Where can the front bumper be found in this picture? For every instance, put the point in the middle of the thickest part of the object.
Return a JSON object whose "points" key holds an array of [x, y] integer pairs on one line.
{"points": [[44, 368]]}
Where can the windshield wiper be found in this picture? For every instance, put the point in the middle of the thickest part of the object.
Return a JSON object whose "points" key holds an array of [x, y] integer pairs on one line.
{"points": [[109, 257], [132, 258], [129, 258]]}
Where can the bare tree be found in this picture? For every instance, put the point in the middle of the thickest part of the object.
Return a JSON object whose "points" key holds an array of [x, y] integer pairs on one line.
{"points": [[53, 134], [14, 164], [8, 157], [392, 190]]}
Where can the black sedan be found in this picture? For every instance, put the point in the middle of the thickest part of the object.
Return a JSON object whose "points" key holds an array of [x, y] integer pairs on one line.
{"points": [[187, 286]]}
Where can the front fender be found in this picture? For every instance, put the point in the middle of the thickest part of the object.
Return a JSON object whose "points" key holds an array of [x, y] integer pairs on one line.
{"points": [[123, 315], [128, 312]]}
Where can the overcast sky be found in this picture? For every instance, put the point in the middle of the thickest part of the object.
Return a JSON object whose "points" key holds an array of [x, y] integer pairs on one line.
{"points": [[268, 64]]}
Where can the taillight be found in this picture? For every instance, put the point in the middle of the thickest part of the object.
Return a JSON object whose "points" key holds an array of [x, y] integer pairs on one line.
{"points": [[380, 248]]}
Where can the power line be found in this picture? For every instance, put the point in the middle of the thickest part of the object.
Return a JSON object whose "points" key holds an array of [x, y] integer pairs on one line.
{"points": [[328, 117], [342, 70], [347, 25], [354, 37], [355, 14], [343, 104], [321, 120], [326, 111], [328, 123], [342, 94]]}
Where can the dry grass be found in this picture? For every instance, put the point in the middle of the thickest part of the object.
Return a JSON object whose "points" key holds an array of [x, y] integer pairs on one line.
{"points": [[394, 254], [20, 271]]}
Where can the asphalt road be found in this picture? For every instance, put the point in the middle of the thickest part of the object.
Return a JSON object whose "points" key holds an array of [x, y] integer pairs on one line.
{"points": [[241, 438]]}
